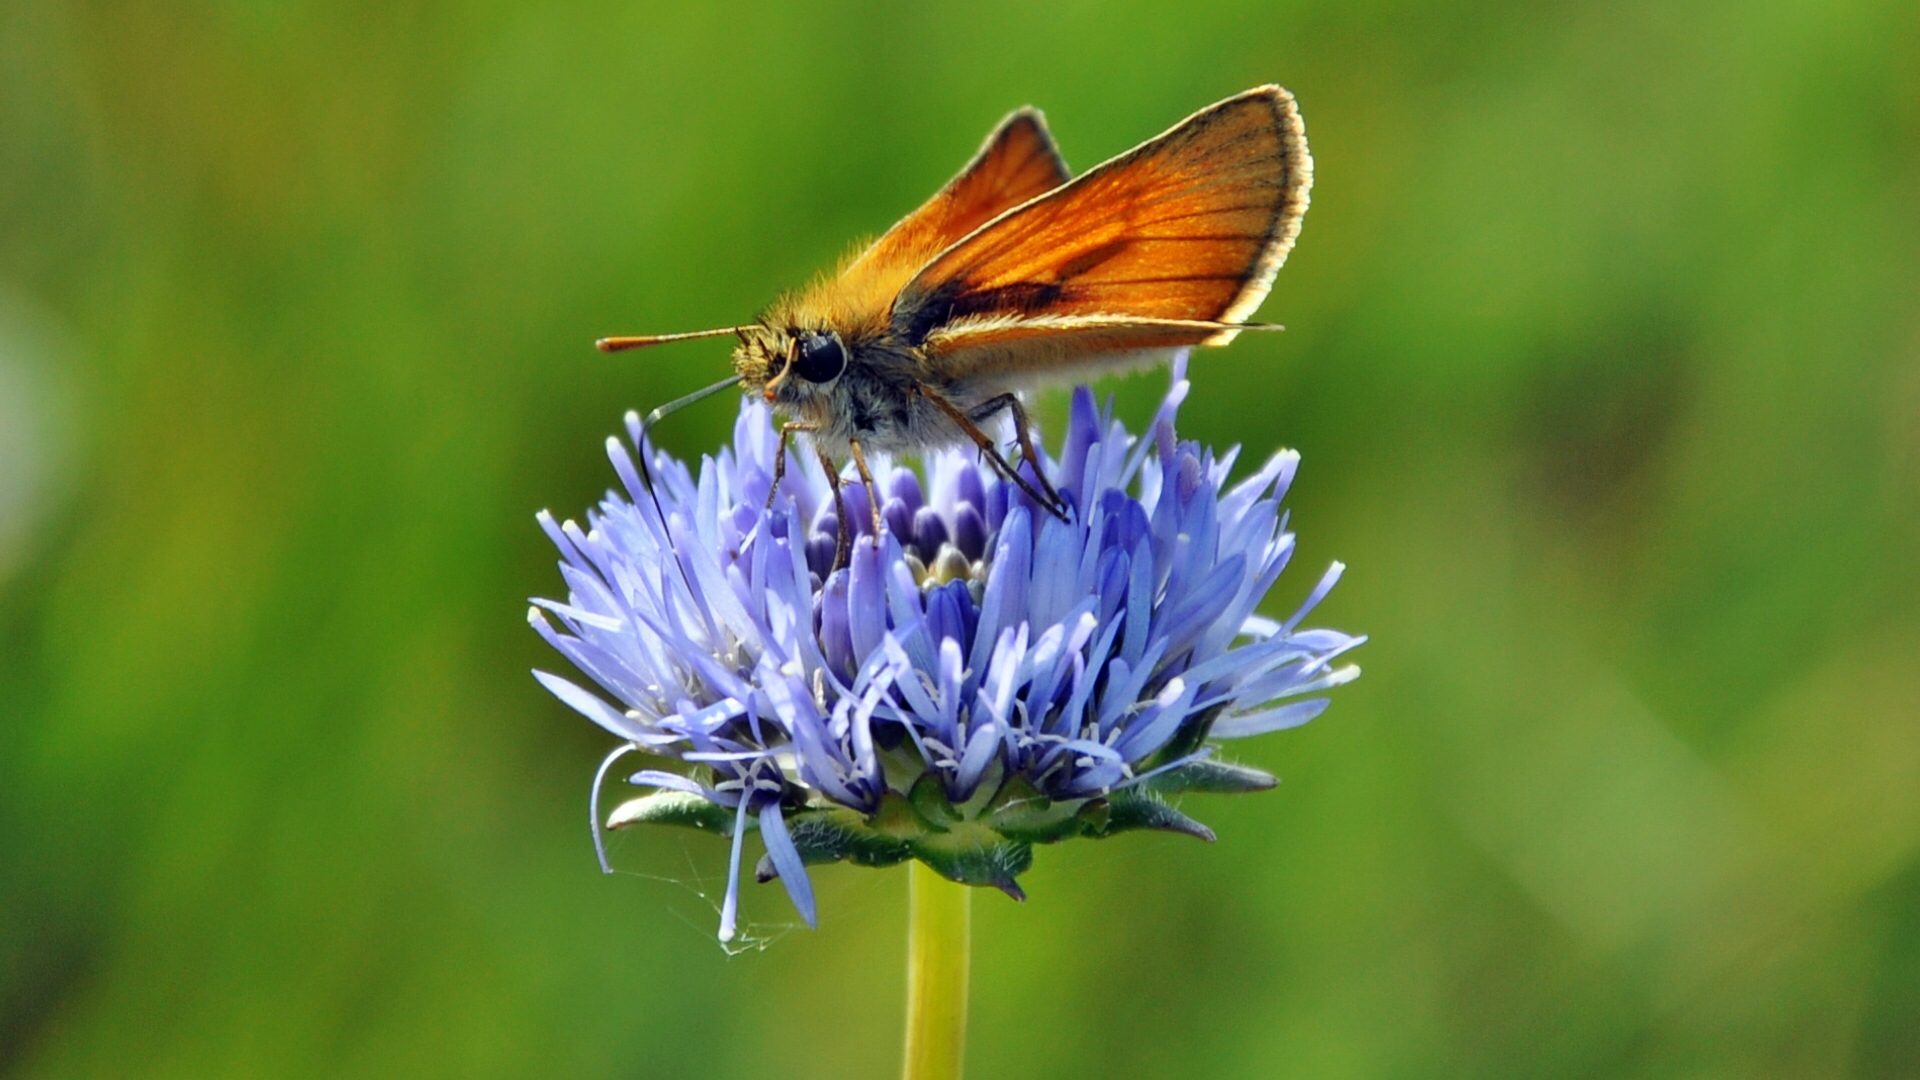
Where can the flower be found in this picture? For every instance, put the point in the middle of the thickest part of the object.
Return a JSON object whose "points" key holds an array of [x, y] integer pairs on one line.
{"points": [[980, 677]]}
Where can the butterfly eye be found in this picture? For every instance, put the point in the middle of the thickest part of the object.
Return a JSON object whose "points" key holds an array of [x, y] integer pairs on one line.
{"points": [[821, 358]]}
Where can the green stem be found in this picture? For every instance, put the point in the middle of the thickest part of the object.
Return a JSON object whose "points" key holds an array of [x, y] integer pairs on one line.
{"points": [[938, 943]]}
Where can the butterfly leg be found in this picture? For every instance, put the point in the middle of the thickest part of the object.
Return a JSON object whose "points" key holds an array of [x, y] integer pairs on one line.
{"points": [[843, 539], [873, 492], [1051, 500], [1011, 403], [780, 455]]}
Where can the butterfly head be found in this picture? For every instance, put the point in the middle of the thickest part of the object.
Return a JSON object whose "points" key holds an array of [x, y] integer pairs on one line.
{"points": [[789, 365]]}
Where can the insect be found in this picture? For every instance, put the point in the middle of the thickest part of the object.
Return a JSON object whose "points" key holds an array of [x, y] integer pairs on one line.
{"points": [[1018, 274]]}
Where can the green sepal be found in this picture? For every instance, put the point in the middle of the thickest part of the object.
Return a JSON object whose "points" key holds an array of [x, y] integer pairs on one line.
{"points": [[835, 834], [899, 818], [1092, 818], [1131, 810], [989, 840], [1211, 777], [682, 808], [825, 834], [974, 854], [1018, 811], [929, 799], [971, 850]]}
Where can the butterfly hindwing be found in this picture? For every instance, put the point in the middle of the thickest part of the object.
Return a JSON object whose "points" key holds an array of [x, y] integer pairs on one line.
{"points": [[1017, 163], [1063, 348]]}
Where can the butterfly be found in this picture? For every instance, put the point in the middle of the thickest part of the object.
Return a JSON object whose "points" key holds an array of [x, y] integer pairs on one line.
{"points": [[1017, 274]]}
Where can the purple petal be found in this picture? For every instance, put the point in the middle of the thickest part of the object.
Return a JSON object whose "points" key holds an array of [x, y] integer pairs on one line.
{"points": [[859, 510], [1083, 430], [945, 613], [905, 486], [820, 551], [1260, 723], [899, 518], [1006, 596], [593, 802], [730, 907], [973, 764], [866, 599], [970, 529], [1055, 581], [786, 859], [836, 630], [1319, 593], [929, 532], [591, 707]]}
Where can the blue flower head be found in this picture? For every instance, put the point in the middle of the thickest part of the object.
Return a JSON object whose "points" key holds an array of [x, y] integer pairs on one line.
{"points": [[982, 676]]}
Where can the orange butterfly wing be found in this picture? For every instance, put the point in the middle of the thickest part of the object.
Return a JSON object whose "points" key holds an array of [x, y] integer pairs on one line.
{"points": [[1017, 163], [1173, 243]]}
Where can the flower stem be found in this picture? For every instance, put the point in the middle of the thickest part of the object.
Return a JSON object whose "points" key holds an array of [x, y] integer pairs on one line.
{"points": [[939, 936]]}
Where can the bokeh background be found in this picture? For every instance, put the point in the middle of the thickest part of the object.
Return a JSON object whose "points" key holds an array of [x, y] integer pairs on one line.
{"points": [[1604, 359]]}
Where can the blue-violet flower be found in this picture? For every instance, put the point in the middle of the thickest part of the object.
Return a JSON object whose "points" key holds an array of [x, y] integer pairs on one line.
{"points": [[982, 676]]}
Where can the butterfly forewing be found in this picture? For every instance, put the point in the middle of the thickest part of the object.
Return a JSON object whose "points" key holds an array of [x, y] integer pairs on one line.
{"points": [[1188, 227], [1017, 163]]}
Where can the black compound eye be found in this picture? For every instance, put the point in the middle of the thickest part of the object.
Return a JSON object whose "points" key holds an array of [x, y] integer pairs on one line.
{"points": [[822, 358]]}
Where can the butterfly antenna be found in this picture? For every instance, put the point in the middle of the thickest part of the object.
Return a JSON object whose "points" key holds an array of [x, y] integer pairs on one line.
{"points": [[621, 344], [676, 404]]}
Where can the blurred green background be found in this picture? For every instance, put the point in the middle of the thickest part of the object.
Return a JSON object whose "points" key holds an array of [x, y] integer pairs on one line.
{"points": [[1604, 359]]}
